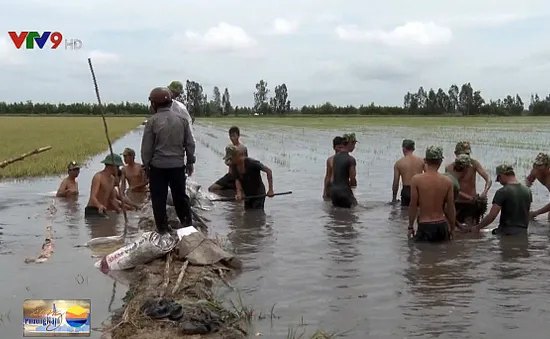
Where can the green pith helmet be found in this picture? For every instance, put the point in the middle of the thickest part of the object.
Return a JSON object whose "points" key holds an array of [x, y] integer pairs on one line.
{"points": [[114, 159], [176, 87]]}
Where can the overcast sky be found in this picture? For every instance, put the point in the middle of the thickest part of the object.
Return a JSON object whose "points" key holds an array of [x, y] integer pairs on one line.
{"points": [[346, 51]]}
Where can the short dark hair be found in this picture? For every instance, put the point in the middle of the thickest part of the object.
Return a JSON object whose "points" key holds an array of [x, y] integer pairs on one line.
{"points": [[433, 162], [408, 144], [235, 130], [337, 141]]}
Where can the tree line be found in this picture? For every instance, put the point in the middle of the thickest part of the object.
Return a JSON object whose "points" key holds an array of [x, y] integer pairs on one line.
{"points": [[463, 100]]}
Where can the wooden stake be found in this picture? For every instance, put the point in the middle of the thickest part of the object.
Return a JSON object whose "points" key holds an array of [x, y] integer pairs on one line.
{"points": [[24, 155]]}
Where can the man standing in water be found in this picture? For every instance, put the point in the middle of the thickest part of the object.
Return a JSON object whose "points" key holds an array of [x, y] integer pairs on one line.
{"points": [[133, 173], [470, 206], [248, 178], [405, 168], [69, 186], [337, 146], [227, 182], [176, 90], [432, 200], [540, 172], [166, 145], [102, 193], [512, 201], [344, 174]]}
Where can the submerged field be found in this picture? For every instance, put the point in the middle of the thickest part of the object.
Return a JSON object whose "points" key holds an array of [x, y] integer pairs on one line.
{"points": [[71, 138]]}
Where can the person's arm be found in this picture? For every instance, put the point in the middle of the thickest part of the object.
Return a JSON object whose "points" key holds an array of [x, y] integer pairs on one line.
{"points": [[123, 180], [269, 174], [96, 184], [542, 210], [148, 143], [353, 173], [113, 198], [189, 144], [187, 117], [239, 188], [450, 210], [413, 205], [62, 190], [498, 201], [483, 173], [530, 179], [395, 185], [327, 178]]}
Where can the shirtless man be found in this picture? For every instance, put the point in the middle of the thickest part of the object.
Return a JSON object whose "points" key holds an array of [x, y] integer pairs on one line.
{"points": [[69, 186], [227, 182], [337, 146], [133, 173], [405, 168], [540, 172], [344, 174], [470, 206], [432, 200], [128, 204], [513, 201], [102, 195]]}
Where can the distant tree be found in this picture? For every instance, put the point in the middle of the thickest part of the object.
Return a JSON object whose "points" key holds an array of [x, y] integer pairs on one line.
{"points": [[260, 98]]}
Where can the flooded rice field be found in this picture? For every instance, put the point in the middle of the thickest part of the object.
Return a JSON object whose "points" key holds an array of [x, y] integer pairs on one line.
{"points": [[308, 265]]}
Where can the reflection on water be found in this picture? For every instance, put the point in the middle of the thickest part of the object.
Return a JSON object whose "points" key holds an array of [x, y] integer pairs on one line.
{"points": [[248, 229], [103, 226]]}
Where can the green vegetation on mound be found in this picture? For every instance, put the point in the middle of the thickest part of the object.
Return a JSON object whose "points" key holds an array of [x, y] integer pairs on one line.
{"points": [[71, 139]]}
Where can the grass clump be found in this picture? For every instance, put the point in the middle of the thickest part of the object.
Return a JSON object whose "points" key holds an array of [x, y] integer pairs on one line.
{"points": [[334, 122], [71, 138]]}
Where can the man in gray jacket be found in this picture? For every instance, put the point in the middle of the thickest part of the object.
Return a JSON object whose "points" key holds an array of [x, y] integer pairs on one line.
{"points": [[168, 154]]}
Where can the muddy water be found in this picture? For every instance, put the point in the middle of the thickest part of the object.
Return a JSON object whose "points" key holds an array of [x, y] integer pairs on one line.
{"points": [[338, 270]]}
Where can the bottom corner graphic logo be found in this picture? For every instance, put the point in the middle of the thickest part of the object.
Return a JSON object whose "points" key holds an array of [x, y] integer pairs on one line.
{"points": [[56, 318]]}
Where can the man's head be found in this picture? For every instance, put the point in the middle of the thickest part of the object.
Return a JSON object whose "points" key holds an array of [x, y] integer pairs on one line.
{"points": [[338, 144], [160, 97], [234, 135], [73, 168], [462, 162], [541, 163], [234, 154], [129, 156], [505, 174], [408, 146], [434, 156], [349, 141], [112, 163], [463, 147], [176, 88]]}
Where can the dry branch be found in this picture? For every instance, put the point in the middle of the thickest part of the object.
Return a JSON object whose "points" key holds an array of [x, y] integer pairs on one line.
{"points": [[180, 277], [166, 281], [24, 155]]}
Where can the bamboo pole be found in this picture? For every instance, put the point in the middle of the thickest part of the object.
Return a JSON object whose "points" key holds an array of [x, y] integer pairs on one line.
{"points": [[24, 155], [101, 109]]}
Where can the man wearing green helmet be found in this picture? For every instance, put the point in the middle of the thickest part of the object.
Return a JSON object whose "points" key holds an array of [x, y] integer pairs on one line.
{"points": [[102, 195], [176, 89]]}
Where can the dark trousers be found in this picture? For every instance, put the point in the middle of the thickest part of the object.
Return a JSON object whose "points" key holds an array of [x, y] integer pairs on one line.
{"points": [[159, 180]]}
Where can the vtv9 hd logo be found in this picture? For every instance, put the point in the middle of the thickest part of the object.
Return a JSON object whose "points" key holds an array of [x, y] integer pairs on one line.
{"points": [[30, 38]]}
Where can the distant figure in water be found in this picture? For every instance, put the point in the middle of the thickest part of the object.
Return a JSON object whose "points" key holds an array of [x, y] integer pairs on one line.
{"points": [[133, 173], [513, 201], [540, 172], [69, 185], [247, 173], [337, 146], [404, 169], [432, 200], [344, 174], [227, 182], [102, 193]]}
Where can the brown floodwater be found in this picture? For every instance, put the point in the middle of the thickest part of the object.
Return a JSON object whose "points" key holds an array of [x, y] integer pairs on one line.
{"points": [[315, 266]]}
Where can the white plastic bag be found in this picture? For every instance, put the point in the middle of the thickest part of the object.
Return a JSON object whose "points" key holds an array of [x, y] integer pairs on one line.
{"points": [[148, 247]]}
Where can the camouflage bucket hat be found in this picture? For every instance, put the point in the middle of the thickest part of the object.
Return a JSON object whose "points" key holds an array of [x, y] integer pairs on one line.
{"points": [[463, 160], [349, 137], [434, 153], [542, 159], [504, 169], [230, 152], [463, 147], [176, 86], [114, 159], [73, 165]]}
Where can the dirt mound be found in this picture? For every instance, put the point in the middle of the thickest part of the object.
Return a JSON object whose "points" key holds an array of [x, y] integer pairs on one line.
{"points": [[203, 316]]}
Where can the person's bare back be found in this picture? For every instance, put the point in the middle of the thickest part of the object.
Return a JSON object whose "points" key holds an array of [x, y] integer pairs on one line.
{"points": [[135, 176], [404, 169], [409, 166], [433, 190]]}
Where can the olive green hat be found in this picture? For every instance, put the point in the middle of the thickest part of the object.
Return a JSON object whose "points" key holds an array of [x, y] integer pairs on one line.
{"points": [[176, 86], [114, 159], [434, 153]]}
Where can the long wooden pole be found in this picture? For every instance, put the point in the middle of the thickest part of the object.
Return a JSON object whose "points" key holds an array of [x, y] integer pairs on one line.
{"points": [[101, 109], [24, 155]]}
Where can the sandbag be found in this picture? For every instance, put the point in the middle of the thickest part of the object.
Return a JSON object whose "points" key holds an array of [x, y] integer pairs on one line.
{"points": [[148, 247], [195, 247]]}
